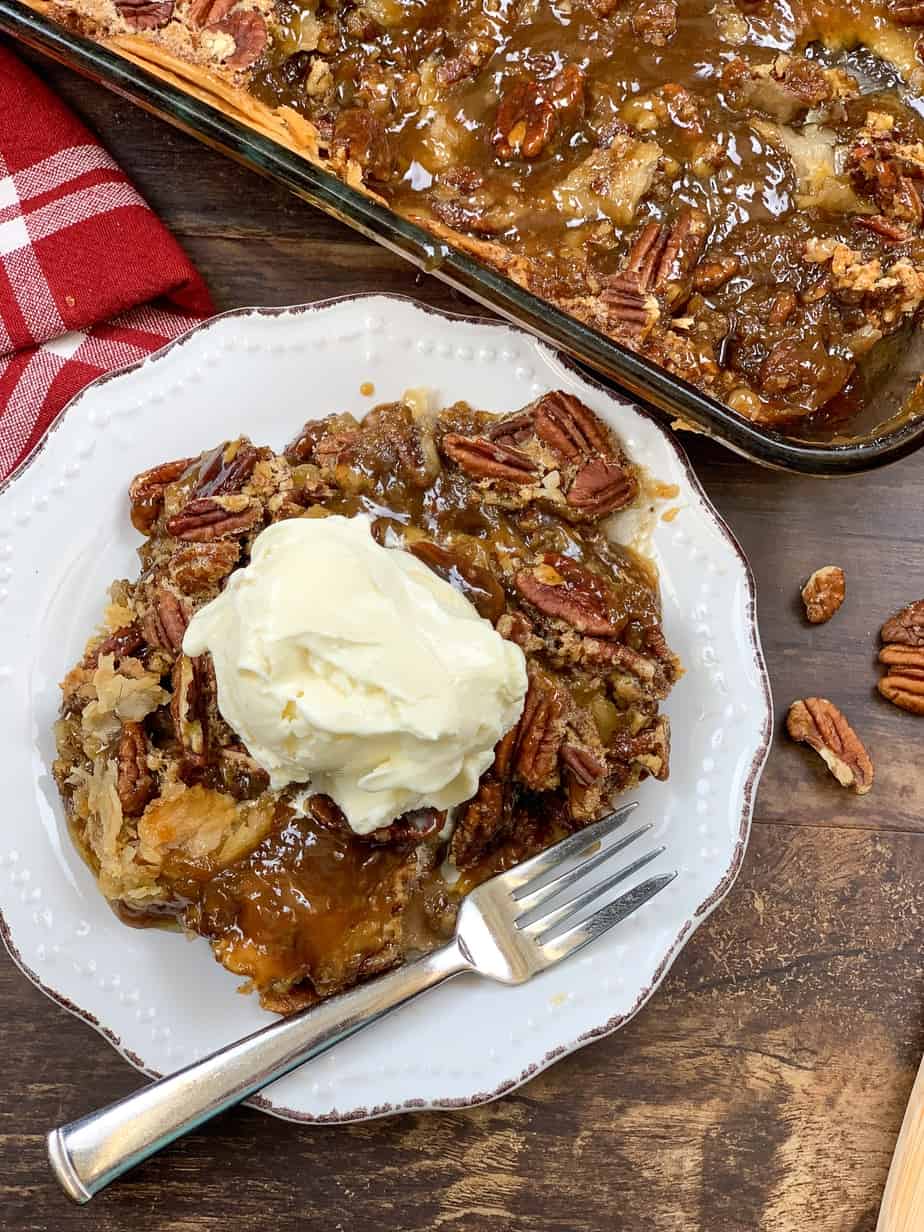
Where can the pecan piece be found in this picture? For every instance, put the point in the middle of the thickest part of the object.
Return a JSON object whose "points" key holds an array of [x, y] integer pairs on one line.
{"points": [[146, 492], [906, 627], [661, 259], [818, 723], [562, 589], [227, 469], [145, 14], [823, 594], [481, 823], [479, 586], [165, 621], [196, 568], [600, 487], [540, 734], [203, 13], [481, 458], [215, 517], [655, 21], [903, 683], [134, 781], [569, 427], [188, 705], [121, 644], [906, 12], [646, 753], [530, 112], [248, 30]]}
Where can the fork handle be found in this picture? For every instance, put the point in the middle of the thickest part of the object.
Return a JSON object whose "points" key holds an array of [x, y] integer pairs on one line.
{"points": [[87, 1154]]}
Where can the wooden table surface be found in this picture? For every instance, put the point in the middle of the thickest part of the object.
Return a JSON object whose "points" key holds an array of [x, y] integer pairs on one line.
{"points": [[761, 1090]]}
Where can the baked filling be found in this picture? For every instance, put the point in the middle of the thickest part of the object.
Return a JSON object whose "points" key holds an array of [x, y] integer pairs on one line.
{"points": [[178, 821], [731, 188]]}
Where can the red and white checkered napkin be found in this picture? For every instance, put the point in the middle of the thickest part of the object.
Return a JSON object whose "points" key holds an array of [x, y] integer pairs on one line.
{"points": [[89, 279]]}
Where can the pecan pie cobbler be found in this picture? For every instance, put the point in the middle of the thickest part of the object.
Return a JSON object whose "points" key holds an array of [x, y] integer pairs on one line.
{"points": [[177, 819], [731, 187]]}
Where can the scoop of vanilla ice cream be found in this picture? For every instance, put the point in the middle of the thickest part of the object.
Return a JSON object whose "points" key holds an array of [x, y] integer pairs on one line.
{"points": [[356, 668]]}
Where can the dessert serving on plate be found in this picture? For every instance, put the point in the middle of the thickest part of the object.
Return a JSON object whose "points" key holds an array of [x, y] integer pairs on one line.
{"points": [[732, 189], [355, 679]]}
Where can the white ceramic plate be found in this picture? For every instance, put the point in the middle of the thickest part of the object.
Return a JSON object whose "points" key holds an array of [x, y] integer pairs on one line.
{"points": [[65, 534]]}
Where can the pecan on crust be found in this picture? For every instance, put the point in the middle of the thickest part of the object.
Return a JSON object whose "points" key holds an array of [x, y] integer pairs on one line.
{"points": [[197, 568], [227, 469], [481, 824], [481, 458], [146, 492], [602, 486], [188, 705], [134, 782], [567, 426], [660, 261], [202, 13], [561, 589], [906, 627], [145, 14], [165, 621], [903, 683], [215, 517], [123, 643], [530, 113], [540, 734], [906, 12], [818, 723], [823, 594], [248, 30]]}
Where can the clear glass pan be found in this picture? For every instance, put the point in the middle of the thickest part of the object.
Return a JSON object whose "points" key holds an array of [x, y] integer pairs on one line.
{"points": [[897, 430]]}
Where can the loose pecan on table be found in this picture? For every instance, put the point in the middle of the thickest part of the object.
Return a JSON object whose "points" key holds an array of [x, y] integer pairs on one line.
{"points": [[823, 594], [903, 655], [818, 723], [215, 517], [146, 492], [134, 781]]}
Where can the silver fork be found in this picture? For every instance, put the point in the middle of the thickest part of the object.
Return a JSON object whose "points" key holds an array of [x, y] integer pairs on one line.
{"points": [[508, 930]]}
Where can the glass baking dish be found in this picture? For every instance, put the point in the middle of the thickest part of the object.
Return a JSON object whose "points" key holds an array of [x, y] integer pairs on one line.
{"points": [[898, 427]]}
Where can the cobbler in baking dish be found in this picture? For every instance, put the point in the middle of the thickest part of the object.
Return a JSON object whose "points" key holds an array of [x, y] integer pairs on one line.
{"points": [[179, 820], [731, 187]]}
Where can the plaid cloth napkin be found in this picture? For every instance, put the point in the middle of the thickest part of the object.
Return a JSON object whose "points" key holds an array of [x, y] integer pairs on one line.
{"points": [[89, 279]]}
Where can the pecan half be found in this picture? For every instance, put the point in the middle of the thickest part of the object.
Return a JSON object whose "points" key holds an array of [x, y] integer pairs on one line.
{"points": [[146, 492], [203, 13], [661, 259], [823, 594], [134, 781], [569, 427], [903, 683], [562, 589], [227, 469], [818, 723], [485, 459], [196, 568], [601, 487], [145, 14], [215, 517], [906, 627], [248, 29], [165, 621], [530, 112], [121, 644], [540, 734]]}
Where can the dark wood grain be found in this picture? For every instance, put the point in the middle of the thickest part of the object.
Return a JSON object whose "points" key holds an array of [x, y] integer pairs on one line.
{"points": [[763, 1087]]}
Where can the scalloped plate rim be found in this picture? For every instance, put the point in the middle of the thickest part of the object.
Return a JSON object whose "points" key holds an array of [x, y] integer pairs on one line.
{"points": [[280, 1111]]}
